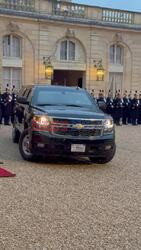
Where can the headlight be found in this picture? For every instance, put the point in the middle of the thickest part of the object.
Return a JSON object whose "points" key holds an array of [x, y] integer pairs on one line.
{"points": [[41, 120], [108, 125]]}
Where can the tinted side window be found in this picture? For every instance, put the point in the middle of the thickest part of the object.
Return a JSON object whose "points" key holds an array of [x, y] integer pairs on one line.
{"points": [[21, 92], [26, 93], [29, 95]]}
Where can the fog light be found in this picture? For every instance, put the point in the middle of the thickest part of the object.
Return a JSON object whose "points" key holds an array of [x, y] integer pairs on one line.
{"points": [[108, 147], [40, 145]]}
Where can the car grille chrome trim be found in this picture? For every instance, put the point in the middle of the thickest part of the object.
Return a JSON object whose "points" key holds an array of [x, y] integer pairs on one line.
{"points": [[88, 130]]}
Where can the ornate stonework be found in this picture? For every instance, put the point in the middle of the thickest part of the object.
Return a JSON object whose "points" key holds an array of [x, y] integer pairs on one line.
{"points": [[13, 27], [70, 33], [117, 38]]}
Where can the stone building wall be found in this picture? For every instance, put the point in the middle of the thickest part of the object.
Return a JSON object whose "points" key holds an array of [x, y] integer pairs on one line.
{"points": [[40, 37]]}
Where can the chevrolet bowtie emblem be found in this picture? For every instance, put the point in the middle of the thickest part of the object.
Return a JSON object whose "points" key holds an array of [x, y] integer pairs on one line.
{"points": [[78, 126]]}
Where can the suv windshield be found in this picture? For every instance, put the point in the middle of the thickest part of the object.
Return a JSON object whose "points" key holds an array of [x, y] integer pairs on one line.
{"points": [[45, 97]]}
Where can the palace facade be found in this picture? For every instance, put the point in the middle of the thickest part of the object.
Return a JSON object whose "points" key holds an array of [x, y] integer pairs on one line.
{"points": [[75, 39]]}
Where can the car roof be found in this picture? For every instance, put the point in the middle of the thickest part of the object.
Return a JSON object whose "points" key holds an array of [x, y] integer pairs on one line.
{"points": [[57, 87]]}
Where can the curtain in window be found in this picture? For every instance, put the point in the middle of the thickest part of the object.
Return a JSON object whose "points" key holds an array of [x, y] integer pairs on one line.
{"points": [[115, 82], [11, 46], [15, 46], [16, 78], [12, 76], [119, 55], [6, 46], [63, 50], [71, 51], [6, 77], [112, 54], [116, 54]]}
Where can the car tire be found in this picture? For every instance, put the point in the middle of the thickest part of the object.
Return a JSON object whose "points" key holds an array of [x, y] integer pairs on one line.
{"points": [[104, 160], [23, 146], [15, 135]]}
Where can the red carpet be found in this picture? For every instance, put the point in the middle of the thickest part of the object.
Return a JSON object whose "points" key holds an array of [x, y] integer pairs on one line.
{"points": [[5, 173]]}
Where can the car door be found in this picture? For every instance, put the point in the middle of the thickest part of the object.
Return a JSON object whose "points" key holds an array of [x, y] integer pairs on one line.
{"points": [[27, 108], [20, 110]]}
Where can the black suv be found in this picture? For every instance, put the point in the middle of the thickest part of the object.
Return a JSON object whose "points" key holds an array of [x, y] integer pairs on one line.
{"points": [[62, 121]]}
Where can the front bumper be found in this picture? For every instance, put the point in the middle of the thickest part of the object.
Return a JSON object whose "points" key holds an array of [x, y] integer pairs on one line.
{"points": [[42, 143]]}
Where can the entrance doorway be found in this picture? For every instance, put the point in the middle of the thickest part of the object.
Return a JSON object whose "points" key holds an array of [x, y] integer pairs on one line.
{"points": [[69, 78]]}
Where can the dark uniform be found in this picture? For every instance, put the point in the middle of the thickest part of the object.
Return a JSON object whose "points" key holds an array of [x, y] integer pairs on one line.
{"points": [[139, 110], [109, 105], [1, 108], [7, 98], [129, 107], [126, 104], [117, 112], [101, 99], [134, 110], [93, 93], [13, 102]]}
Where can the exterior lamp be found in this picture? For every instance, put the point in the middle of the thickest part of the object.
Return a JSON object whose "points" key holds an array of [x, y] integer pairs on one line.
{"points": [[100, 70], [48, 68], [48, 71]]}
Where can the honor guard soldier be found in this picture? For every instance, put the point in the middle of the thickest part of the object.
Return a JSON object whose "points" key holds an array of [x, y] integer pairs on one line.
{"points": [[13, 102], [118, 106], [1, 107], [129, 106], [109, 104], [139, 110], [93, 93], [125, 109], [134, 109], [101, 101], [7, 99]]}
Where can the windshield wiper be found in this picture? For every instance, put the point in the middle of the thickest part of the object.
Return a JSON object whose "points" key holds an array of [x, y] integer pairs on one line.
{"points": [[45, 104], [59, 104], [73, 105]]}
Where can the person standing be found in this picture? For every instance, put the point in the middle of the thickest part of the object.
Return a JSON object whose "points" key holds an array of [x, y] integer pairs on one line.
{"points": [[134, 110], [101, 100], [129, 106], [13, 102], [118, 108], [139, 110], [1, 107], [109, 104], [7, 99], [125, 109]]}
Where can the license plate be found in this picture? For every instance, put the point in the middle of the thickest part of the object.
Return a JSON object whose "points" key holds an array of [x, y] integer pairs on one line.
{"points": [[78, 148]]}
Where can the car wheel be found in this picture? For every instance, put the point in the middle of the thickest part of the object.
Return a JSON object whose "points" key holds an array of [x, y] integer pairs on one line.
{"points": [[24, 146], [15, 135], [105, 159]]}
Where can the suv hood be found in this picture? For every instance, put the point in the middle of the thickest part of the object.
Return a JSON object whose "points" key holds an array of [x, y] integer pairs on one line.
{"points": [[71, 112]]}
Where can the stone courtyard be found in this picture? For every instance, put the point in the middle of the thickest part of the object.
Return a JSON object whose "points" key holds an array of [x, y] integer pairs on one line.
{"points": [[71, 204]]}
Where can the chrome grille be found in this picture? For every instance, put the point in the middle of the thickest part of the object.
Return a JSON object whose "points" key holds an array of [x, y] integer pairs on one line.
{"points": [[66, 128]]}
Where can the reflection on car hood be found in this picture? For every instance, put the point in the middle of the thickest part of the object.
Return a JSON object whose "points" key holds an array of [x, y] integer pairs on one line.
{"points": [[72, 112]]}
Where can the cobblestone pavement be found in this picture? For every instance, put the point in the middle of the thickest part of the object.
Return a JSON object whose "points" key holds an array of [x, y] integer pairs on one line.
{"points": [[72, 205]]}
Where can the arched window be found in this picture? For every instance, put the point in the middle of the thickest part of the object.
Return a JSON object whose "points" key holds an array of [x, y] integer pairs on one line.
{"points": [[11, 46], [116, 54], [67, 50]]}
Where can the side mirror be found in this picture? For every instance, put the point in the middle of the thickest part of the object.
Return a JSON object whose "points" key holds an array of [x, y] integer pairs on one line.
{"points": [[22, 100], [102, 106]]}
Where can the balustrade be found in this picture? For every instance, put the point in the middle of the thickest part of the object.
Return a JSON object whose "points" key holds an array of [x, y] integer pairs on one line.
{"points": [[117, 16], [69, 9], [25, 5]]}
